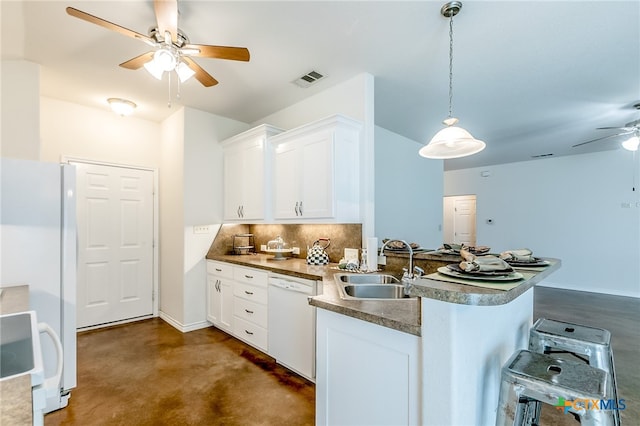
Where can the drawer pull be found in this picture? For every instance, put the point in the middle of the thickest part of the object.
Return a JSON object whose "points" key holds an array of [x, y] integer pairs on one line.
{"points": [[218, 270], [250, 293], [249, 276], [248, 332], [248, 311]]}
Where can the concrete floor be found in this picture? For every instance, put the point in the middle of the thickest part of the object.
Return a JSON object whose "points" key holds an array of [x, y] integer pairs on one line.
{"points": [[148, 373]]}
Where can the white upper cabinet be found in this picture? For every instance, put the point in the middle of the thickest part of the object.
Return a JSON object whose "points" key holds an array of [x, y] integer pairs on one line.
{"points": [[316, 172], [246, 174]]}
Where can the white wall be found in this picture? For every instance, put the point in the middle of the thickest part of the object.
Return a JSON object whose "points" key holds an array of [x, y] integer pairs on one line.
{"points": [[408, 190], [353, 98], [202, 202], [566, 207], [172, 219], [20, 109], [78, 131]]}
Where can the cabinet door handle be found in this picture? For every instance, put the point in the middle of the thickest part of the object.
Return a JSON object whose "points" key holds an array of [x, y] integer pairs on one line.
{"points": [[218, 282], [250, 293], [248, 311], [300, 208], [249, 332], [238, 211], [242, 211], [296, 209]]}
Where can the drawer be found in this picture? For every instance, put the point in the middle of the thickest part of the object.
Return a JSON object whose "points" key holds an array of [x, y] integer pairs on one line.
{"points": [[250, 311], [250, 276], [250, 333], [250, 292], [219, 269]]}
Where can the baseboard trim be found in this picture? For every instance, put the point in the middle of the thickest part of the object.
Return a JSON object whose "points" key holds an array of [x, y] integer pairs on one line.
{"points": [[182, 327]]}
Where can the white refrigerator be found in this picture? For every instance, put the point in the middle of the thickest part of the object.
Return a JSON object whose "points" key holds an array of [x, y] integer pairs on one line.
{"points": [[38, 248]]}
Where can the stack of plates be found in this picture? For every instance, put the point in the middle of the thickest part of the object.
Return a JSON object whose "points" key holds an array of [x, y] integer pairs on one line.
{"points": [[535, 261], [453, 270]]}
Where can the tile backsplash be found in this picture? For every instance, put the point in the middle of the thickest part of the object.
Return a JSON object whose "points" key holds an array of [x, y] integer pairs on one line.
{"points": [[348, 235]]}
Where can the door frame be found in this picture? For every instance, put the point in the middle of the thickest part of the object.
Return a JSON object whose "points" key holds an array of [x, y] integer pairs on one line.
{"points": [[155, 295], [448, 215]]}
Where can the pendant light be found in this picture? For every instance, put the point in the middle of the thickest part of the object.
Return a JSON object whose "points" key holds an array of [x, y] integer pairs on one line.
{"points": [[452, 141]]}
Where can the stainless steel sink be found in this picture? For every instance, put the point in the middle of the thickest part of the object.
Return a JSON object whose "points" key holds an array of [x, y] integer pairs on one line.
{"points": [[375, 291], [370, 286]]}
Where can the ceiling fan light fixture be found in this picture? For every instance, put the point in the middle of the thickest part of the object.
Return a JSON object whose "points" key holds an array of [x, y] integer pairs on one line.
{"points": [[154, 69], [121, 106], [184, 72], [632, 143], [165, 59], [452, 141]]}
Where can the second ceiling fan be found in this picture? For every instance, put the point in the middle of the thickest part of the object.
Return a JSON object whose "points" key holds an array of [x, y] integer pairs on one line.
{"points": [[171, 48]]}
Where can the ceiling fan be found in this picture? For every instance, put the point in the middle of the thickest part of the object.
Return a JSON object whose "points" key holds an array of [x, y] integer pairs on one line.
{"points": [[172, 50], [632, 128]]}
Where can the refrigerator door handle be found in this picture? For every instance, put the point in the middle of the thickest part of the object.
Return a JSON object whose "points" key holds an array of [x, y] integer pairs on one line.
{"points": [[52, 384]]}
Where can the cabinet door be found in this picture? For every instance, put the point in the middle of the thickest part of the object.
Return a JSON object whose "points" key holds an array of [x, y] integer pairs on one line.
{"points": [[252, 181], [213, 299], [233, 169], [226, 305], [286, 182], [317, 195]]}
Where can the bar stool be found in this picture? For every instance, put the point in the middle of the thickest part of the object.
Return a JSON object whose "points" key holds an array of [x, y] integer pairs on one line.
{"points": [[529, 377], [591, 345]]}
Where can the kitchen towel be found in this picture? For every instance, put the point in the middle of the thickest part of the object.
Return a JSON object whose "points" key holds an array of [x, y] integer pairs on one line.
{"points": [[372, 254]]}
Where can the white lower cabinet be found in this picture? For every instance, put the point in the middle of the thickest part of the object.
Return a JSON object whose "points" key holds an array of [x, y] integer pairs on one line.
{"points": [[220, 295], [366, 374]]}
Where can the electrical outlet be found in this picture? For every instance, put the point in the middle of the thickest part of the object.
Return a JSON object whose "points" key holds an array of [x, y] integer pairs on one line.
{"points": [[296, 250], [201, 229], [625, 205], [263, 247]]}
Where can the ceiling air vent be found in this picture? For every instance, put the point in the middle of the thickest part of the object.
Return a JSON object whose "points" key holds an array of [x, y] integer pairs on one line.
{"points": [[308, 79], [542, 155]]}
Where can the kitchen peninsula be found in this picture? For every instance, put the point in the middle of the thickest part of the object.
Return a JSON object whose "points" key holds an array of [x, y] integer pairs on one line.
{"points": [[431, 359]]}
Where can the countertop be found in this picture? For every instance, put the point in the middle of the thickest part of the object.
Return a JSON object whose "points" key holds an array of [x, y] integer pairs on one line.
{"points": [[478, 296], [402, 315], [15, 403]]}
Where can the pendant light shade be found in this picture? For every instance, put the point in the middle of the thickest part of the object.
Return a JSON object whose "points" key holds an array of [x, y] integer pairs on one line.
{"points": [[452, 141]]}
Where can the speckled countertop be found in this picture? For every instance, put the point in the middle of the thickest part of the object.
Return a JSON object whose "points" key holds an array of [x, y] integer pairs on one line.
{"points": [[402, 315]]}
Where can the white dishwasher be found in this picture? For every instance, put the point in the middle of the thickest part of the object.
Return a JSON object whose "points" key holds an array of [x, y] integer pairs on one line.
{"points": [[292, 324]]}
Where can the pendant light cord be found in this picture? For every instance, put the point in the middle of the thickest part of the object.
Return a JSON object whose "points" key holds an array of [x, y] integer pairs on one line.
{"points": [[450, 65]]}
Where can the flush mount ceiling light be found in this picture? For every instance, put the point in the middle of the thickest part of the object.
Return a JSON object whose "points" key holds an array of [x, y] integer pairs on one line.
{"points": [[452, 141], [121, 106]]}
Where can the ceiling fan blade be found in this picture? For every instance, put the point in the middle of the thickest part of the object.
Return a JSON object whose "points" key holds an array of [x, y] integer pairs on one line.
{"points": [[219, 52], [201, 75], [109, 25], [602, 138], [629, 129], [167, 17], [138, 61]]}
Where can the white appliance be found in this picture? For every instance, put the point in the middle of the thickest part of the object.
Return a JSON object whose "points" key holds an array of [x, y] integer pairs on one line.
{"points": [[38, 248], [292, 323]]}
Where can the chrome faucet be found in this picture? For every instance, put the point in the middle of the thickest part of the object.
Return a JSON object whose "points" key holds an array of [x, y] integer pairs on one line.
{"points": [[407, 277]]}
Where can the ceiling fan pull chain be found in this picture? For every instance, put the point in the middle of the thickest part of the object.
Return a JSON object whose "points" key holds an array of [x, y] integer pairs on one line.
{"points": [[169, 103]]}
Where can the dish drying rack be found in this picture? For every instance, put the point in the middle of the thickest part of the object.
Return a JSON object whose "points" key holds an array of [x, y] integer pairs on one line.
{"points": [[243, 244]]}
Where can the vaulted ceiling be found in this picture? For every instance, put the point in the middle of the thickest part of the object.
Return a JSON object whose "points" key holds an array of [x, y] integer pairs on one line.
{"points": [[530, 78]]}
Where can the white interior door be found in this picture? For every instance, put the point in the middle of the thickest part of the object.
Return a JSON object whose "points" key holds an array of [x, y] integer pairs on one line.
{"points": [[115, 243], [460, 220]]}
